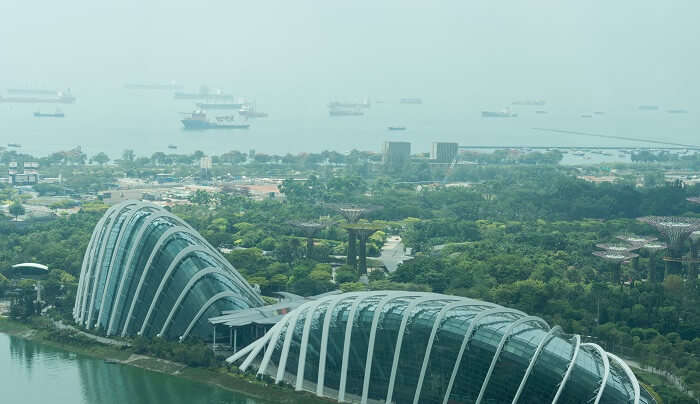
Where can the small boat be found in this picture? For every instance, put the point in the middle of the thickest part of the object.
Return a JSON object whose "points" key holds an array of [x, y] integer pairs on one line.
{"points": [[57, 114], [396, 128], [14, 145], [172, 146], [111, 361], [344, 112], [411, 101], [498, 114]]}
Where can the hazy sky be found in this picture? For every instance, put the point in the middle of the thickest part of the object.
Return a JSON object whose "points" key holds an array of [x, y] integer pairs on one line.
{"points": [[644, 51]]}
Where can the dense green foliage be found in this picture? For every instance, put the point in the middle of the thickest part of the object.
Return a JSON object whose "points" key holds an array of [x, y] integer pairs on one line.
{"points": [[520, 236]]}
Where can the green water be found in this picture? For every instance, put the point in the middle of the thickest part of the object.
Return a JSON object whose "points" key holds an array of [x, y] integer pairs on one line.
{"points": [[34, 373]]}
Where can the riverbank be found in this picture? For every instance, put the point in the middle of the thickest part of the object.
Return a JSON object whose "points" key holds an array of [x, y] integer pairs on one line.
{"points": [[221, 377]]}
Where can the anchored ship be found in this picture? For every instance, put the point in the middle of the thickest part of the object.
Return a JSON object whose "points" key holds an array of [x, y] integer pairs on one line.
{"points": [[345, 112], [57, 114], [58, 98], [353, 105], [249, 111], [498, 114], [538, 103], [31, 91], [219, 105], [204, 93], [198, 121]]}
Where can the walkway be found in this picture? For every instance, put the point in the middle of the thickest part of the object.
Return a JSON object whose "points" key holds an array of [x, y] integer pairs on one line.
{"points": [[103, 340]]}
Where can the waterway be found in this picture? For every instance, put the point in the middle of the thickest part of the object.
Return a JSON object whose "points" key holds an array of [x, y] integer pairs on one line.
{"points": [[111, 118], [33, 373]]}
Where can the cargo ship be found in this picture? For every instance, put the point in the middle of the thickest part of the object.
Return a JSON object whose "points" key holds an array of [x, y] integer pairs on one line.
{"points": [[198, 121], [219, 105], [498, 114], [411, 101], [677, 111], [345, 112], [249, 111], [31, 91], [203, 94], [58, 98], [353, 105], [586, 116], [396, 128], [538, 103], [648, 107], [57, 114]]}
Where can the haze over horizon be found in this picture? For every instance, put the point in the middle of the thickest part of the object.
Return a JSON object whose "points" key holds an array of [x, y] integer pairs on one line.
{"points": [[585, 52]]}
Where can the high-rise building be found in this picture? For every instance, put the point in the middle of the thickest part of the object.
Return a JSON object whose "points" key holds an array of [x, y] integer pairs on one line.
{"points": [[396, 152], [444, 152], [28, 176]]}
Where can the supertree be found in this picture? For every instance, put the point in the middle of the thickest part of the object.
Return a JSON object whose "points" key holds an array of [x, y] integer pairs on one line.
{"points": [[623, 248], [352, 213], [652, 248], [676, 230], [693, 260], [363, 231], [635, 239], [615, 258], [309, 229]]}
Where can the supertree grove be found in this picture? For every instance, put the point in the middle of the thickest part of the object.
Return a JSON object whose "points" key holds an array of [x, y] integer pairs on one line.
{"points": [[616, 258], [676, 230]]}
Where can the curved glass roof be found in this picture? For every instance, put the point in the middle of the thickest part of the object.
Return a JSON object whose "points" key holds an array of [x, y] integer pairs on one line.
{"points": [[411, 347], [147, 272]]}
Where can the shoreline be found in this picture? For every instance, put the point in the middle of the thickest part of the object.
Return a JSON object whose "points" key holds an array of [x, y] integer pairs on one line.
{"points": [[220, 377]]}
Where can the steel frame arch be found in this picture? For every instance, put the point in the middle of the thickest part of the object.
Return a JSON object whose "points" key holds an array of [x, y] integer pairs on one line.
{"points": [[346, 344], [467, 337], [606, 369], [274, 337], [373, 335], [282, 364], [174, 265], [301, 367], [320, 384], [551, 334], [185, 291], [132, 215], [205, 306], [577, 347], [83, 268], [116, 216], [85, 264], [504, 339], [406, 315], [101, 230], [431, 341], [132, 254], [630, 376], [162, 241]]}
